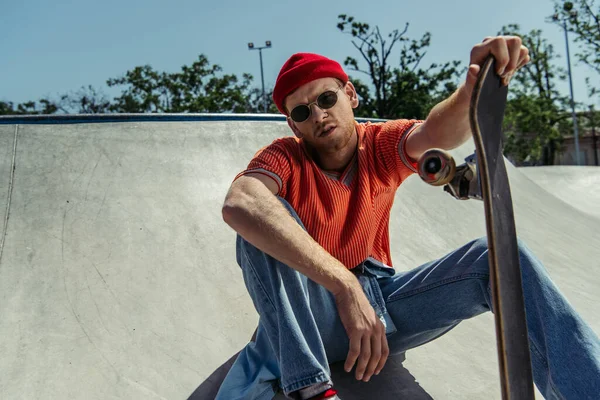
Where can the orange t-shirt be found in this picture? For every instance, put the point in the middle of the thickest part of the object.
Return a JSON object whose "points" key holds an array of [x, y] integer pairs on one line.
{"points": [[347, 214]]}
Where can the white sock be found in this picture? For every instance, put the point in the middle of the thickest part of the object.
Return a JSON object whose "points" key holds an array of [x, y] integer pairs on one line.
{"points": [[312, 391]]}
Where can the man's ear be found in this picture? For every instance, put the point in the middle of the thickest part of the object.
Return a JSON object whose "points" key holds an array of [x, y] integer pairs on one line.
{"points": [[294, 129], [352, 95]]}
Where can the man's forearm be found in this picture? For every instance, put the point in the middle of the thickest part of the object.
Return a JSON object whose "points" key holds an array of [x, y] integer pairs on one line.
{"points": [[252, 211], [447, 126]]}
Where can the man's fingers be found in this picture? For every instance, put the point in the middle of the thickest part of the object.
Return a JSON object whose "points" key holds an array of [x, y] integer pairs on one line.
{"points": [[514, 46], [365, 356], [385, 352], [353, 353], [499, 49], [495, 46], [473, 71], [523, 57], [375, 354], [472, 74], [479, 53], [509, 52]]}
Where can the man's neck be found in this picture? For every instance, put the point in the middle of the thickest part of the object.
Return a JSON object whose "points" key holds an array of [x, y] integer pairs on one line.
{"points": [[337, 161]]}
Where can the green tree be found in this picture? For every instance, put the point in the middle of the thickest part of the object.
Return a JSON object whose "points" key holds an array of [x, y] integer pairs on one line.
{"points": [[7, 108], [199, 87], [43, 106], [590, 122], [256, 103], [402, 89], [87, 100], [535, 107], [582, 18]]}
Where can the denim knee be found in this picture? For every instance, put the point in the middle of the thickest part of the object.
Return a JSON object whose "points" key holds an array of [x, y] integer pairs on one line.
{"points": [[524, 251], [480, 244], [526, 256], [478, 250], [529, 261]]}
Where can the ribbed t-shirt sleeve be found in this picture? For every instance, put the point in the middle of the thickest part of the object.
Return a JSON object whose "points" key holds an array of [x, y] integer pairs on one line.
{"points": [[272, 161], [390, 147]]}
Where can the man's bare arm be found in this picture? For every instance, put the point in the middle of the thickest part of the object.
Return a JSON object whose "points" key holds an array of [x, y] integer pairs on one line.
{"points": [[447, 125], [253, 211]]}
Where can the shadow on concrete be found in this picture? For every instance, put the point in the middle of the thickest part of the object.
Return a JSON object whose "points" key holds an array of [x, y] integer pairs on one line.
{"points": [[394, 382], [209, 388]]}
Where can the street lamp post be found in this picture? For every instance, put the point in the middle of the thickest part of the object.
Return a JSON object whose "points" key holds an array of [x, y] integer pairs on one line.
{"points": [[594, 137], [573, 13], [262, 77]]}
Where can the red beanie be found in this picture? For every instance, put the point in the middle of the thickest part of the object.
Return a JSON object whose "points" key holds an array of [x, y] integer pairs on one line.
{"points": [[302, 68]]}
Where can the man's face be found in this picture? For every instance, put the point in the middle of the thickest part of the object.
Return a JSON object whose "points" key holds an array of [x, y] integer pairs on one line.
{"points": [[326, 130]]}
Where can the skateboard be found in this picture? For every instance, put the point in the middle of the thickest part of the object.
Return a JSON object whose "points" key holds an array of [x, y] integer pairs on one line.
{"points": [[483, 176]]}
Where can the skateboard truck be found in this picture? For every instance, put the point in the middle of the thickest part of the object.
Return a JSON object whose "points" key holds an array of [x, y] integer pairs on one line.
{"points": [[437, 167]]}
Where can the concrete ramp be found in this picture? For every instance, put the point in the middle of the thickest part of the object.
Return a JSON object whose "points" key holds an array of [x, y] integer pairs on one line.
{"points": [[118, 278], [579, 186]]}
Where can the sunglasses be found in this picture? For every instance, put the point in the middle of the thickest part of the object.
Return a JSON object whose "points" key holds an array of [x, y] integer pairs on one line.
{"points": [[325, 101]]}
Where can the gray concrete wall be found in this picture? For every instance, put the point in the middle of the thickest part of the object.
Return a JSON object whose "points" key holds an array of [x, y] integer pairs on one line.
{"points": [[7, 139]]}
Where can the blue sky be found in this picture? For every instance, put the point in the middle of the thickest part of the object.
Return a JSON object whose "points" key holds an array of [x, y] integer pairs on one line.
{"points": [[53, 47]]}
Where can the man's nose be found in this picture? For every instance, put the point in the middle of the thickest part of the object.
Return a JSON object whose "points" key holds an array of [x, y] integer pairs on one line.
{"points": [[317, 113]]}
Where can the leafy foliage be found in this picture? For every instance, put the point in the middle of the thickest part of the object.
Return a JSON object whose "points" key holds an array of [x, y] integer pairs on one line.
{"points": [[535, 106], [197, 88], [582, 17], [403, 89], [44, 106]]}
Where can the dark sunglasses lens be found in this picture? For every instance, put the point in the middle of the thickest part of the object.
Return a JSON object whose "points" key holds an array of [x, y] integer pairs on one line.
{"points": [[327, 99], [300, 113]]}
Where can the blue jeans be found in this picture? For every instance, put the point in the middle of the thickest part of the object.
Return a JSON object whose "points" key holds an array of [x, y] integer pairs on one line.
{"points": [[300, 332]]}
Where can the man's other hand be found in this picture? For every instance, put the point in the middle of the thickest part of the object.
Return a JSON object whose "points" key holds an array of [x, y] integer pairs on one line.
{"points": [[368, 343]]}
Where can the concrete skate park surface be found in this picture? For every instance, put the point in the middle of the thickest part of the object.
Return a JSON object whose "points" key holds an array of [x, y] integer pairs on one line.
{"points": [[118, 278], [579, 186]]}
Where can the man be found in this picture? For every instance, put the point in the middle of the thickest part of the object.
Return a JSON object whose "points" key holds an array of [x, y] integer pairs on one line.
{"points": [[312, 214]]}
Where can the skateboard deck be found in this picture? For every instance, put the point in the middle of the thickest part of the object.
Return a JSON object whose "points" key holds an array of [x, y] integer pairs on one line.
{"points": [[488, 103], [490, 184]]}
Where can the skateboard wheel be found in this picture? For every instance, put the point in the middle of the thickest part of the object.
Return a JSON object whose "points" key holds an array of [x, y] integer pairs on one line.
{"points": [[436, 167]]}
